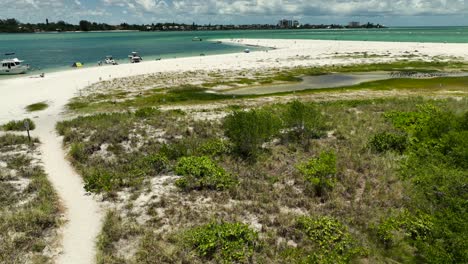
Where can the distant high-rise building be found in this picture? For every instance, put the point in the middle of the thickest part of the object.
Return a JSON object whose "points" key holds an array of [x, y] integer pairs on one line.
{"points": [[285, 23], [354, 24]]}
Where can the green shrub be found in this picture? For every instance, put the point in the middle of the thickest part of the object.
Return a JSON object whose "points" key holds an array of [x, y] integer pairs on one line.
{"points": [[224, 242], [305, 121], [98, 181], [330, 239], [413, 226], [386, 141], [249, 130], [19, 125], [78, 152], [202, 173], [320, 172], [429, 122], [214, 147], [157, 163], [434, 172]]}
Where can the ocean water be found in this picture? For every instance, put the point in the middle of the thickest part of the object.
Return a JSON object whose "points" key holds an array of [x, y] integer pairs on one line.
{"points": [[47, 52]]}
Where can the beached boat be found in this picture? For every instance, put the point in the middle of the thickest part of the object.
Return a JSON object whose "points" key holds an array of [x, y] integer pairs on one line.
{"points": [[135, 58], [247, 51], [110, 60], [12, 66]]}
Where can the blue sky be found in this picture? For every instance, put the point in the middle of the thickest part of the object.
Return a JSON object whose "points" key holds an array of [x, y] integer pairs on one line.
{"points": [[388, 12]]}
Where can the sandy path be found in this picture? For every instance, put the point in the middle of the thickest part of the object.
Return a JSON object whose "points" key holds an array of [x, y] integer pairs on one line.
{"points": [[83, 213]]}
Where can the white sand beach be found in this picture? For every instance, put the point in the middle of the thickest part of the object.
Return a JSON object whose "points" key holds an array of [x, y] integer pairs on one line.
{"points": [[58, 88]]}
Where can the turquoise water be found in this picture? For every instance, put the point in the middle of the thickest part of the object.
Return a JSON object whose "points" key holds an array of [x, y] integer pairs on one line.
{"points": [[55, 51]]}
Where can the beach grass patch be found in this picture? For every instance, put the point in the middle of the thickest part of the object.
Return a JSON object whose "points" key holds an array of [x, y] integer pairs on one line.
{"points": [[37, 107], [29, 213], [326, 240], [223, 242], [19, 125]]}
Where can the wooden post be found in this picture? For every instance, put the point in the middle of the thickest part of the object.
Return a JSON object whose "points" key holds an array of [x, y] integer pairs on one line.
{"points": [[26, 126]]}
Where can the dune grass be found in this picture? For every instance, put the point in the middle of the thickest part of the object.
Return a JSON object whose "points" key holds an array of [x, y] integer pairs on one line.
{"points": [[18, 125], [271, 192], [29, 207], [37, 107]]}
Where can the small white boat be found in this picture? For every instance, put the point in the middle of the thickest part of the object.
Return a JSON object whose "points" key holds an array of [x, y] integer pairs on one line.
{"points": [[197, 39], [12, 66], [110, 60], [247, 51], [135, 58]]}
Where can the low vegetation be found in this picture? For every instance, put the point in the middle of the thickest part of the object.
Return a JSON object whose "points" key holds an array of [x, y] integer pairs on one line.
{"points": [[19, 125], [200, 173], [323, 240], [223, 242], [148, 91], [37, 107], [320, 172], [29, 207], [338, 181], [248, 130]]}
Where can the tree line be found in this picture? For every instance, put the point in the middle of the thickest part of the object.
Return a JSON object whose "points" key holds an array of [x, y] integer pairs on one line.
{"points": [[12, 25]]}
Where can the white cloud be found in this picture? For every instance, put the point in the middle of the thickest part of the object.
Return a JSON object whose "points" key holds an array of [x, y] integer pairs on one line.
{"points": [[226, 11], [300, 7]]}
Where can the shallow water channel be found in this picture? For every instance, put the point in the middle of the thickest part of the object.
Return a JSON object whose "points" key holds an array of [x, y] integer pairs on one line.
{"points": [[321, 81]]}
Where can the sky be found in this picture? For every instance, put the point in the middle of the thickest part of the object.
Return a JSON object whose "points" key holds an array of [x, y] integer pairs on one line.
{"points": [[387, 12]]}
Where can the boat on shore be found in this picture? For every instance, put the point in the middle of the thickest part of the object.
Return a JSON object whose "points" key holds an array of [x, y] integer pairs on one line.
{"points": [[12, 66], [135, 57], [110, 60]]}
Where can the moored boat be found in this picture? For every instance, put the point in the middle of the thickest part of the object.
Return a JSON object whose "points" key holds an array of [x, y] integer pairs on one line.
{"points": [[12, 66], [110, 60], [135, 58]]}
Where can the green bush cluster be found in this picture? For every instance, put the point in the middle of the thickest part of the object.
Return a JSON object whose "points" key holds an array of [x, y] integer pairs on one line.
{"points": [[415, 226], [98, 181], [126, 174], [326, 241], [223, 242], [386, 141], [320, 172], [214, 148], [304, 121], [296, 121], [19, 125], [435, 170], [248, 130], [156, 163], [202, 173]]}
